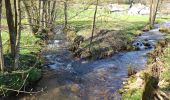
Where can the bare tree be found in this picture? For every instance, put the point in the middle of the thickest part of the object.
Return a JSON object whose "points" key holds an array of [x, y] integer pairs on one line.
{"points": [[41, 14], [16, 19], [65, 14], [16, 61], [94, 24], [153, 12], [53, 12], [11, 26], [1, 47], [30, 14]]}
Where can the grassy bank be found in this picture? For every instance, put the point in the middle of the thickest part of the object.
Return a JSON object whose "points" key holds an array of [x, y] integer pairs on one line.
{"points": [[120, 26], [135, 85]]}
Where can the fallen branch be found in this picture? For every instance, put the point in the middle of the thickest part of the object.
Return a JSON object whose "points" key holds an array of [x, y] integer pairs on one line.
{"points": [[27, 92], [23, 83]]}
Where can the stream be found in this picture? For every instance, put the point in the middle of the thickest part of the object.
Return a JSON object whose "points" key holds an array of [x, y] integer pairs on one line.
{"points": [[69, 79]]}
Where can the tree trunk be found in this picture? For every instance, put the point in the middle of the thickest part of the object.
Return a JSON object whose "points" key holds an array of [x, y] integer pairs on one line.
{"points": [[153, 12], [33, 14], [18, 38], [131, 3], [1, 47], [40, 14], [16, 19], [53, 12], [43, 14], [11, 26], [65, 14], [49, 11], [94, 25]]}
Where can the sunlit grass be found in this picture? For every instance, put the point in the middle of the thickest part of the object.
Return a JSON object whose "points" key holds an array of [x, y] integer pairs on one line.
{"points": [[133, 94], [105, 20], [165, 75], [28, 42]]}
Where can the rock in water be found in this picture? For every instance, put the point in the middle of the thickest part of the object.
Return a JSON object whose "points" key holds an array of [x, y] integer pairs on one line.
{"points": [[75, 88]]}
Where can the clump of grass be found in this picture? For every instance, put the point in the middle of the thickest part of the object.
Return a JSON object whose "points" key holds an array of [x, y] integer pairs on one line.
{"points": [[133, 94], [105, 43], [165, 30], [131, 70]]}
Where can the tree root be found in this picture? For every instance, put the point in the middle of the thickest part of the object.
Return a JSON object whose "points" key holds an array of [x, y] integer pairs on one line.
{"points": [[160, 95]]}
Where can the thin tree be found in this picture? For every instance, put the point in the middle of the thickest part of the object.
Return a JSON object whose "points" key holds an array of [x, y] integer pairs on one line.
{"points": [[94, 25], [1, 47], [53, 12], [16, 22], [151, 12], [154, 4], [131, 3], [65, 14], [41, 14], [34, 12], [16, 61]]}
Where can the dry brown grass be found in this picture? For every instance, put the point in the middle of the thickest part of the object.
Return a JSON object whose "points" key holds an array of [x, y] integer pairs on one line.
{"points": [[165, 30], [105, 43]]}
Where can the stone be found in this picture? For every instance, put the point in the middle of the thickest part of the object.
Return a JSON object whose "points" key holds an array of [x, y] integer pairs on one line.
{"points": [[75, 88]]}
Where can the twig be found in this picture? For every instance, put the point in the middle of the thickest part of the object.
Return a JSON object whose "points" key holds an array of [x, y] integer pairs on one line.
{"points": [[23, 83], [23, 91]]}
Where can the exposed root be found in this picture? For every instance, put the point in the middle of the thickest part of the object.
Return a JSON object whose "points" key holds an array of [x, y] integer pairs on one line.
{"points": [[160, 95]]}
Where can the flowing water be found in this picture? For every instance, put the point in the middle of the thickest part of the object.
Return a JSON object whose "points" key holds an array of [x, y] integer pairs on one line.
{"points": [[70, 79]]}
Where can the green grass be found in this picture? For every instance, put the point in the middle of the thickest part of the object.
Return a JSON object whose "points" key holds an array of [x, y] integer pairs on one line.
{"points": [[28, 42], [130, 26], [28, 50], [133, 94], [105, 20], [165, 75]]}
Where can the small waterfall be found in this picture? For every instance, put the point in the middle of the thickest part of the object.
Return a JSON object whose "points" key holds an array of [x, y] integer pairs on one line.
{"points": [[56, 54]]}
